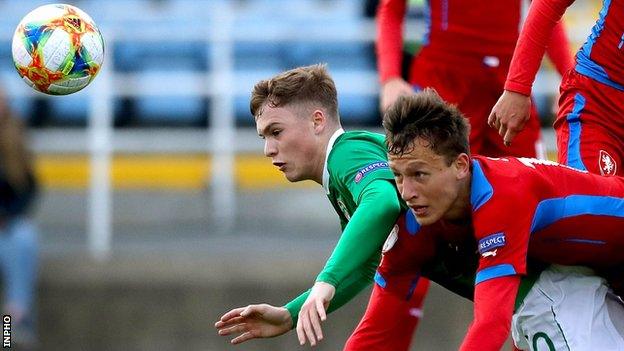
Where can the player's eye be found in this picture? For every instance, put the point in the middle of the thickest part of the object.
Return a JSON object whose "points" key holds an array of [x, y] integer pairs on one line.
{"points": [[418, 175], [276, 132]]}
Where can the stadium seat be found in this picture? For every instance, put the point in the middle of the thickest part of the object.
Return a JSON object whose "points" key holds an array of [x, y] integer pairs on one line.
{"points": [[171, 45], [164, 59], [338, 55], [132, 56]]}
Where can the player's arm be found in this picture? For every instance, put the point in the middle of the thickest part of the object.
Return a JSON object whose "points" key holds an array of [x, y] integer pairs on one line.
{"points": [[535, 36], [558, 50], [493, 308], [389, 50], [560, 56], [266, 321], [346, 291], [512, 110], [377, 210], [359, 245], [389, 44], [502, 231]]}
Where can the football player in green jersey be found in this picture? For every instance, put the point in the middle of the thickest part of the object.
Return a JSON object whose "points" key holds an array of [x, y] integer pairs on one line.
{"points": [[296, 114]]}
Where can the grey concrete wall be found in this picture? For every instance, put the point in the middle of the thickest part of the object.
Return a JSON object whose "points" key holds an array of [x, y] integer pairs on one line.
{"points": [[174, 271], [134, 313]]}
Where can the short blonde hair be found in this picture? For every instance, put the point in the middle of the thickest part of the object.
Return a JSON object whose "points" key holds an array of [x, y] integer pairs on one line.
{"points": [[309, 84]]}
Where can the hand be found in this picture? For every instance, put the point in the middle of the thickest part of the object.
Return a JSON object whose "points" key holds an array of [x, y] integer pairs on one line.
{"points": [[254, 321], [391, 90], [510, 114], [313, 312]]}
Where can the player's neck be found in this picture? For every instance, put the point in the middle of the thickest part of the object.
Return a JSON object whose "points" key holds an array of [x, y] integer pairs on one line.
{"points": [[318, 169], [460, 212], [321, 156]]}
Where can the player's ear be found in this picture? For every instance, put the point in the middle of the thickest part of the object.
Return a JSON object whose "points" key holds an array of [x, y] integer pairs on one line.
{"points": [[320, 120], [462, 165]]}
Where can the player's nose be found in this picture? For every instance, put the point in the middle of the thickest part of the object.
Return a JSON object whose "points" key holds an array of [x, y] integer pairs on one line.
{"points": [[270, 148], [408, 190]]}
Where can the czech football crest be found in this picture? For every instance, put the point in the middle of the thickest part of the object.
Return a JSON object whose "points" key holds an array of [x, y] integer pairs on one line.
{"points": [[607, 164]]}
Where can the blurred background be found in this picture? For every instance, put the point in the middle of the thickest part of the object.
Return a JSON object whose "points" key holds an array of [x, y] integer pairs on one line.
{"points": [[157, 211]]}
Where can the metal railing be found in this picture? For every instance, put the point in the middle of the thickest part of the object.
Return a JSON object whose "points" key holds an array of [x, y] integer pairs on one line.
{"points": [[221, 83]]}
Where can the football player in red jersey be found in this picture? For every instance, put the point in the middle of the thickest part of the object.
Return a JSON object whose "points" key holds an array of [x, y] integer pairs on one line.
{"points": [[461, 51], [519, 208], [589, 123]]}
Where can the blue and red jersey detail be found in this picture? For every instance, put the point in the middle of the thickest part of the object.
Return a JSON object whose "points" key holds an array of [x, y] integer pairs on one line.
{"points": [[415, 251], [527, 208], [602, 55], [600, 58], [400, 267]]}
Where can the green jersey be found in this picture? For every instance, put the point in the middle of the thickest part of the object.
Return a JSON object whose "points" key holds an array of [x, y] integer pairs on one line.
{"points": [[355, 160], [360, 187]]}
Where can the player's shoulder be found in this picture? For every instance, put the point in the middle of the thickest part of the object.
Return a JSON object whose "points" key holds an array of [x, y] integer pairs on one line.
{"points": [[358, 146], [487, 170], [361, 138], [498, 181], [359, 157], [502, 167]]}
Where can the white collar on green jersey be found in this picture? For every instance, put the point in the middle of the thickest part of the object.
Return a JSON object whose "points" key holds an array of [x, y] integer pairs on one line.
{"points": [[332, 140]]}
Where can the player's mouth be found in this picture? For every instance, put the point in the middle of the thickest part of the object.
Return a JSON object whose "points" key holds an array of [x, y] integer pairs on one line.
{"points": [[419, 211], [280, 165]]}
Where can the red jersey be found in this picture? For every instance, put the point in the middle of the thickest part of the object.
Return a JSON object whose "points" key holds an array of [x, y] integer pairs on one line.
{"points": [[539, 209], [395, 305], [600, 58], [602, 55], [442, 252], [547, 211], [459, 29]]}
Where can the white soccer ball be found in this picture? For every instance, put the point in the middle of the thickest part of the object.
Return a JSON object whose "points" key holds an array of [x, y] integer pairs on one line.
{"points": [[57, 49]]}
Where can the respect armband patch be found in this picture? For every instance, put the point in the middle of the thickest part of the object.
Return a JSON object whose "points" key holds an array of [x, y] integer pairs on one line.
{"points": [[364, 171], [491, 242]]}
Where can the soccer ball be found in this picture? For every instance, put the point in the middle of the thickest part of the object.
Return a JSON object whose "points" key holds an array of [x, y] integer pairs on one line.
{"points": [[57, 49]]}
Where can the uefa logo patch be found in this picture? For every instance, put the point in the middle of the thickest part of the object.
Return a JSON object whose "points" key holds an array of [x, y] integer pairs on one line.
{"points": [[489, 244], [607, 164], [368, 169]]}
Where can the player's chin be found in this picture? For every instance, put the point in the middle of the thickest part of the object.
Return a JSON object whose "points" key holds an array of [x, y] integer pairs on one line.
{"points": [[426, 218], [292, 176]]}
